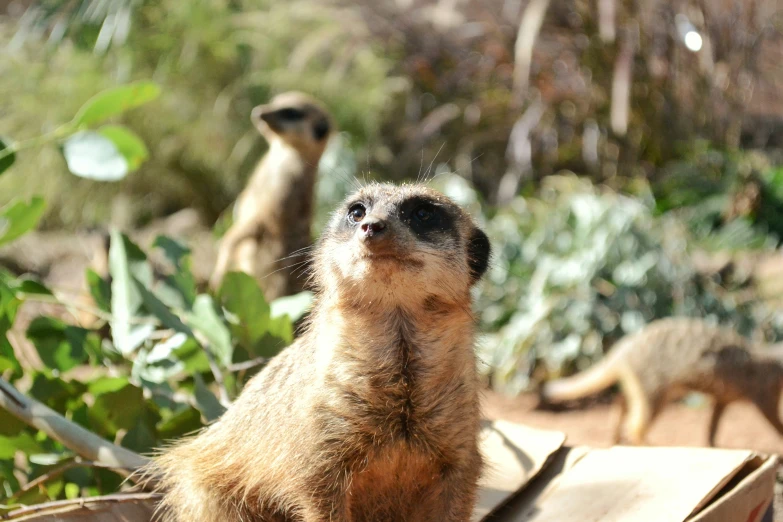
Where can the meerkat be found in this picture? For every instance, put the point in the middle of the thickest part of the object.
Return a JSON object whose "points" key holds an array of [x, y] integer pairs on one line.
{"points": [[272, 215], [373, 413], [670, 357]]}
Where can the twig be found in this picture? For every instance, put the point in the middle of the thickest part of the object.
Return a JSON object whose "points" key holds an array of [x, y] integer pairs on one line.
{"points": [[606, 20], [97, 312], [57, 505], [84, 443], [225, 399], [247, 365], [529, 27], [621, 83], [76, 463]]}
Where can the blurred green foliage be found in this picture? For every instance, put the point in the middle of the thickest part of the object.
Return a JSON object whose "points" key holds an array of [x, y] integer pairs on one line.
{"points": [[214, 61], [577, 266], [151, 368]]}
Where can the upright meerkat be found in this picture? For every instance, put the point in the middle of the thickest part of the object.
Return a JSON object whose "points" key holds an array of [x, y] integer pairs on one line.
{"points": [[373, 414], [272, 215], [669, 357]]}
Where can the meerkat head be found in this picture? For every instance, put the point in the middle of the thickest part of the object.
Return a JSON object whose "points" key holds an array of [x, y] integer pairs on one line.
{"points": [[296, 119], [400, 245]]}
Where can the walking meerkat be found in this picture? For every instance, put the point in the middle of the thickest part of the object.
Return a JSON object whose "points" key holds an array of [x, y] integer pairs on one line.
{"points": [[670, 357], [373, 413], [272, 215]]}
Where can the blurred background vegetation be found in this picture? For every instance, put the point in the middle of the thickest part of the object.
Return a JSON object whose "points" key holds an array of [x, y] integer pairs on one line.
{"points": [[625, 156]]}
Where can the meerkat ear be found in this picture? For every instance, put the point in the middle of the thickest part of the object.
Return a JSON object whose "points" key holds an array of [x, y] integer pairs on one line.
{"points": [[321, 129], [479, 251]]}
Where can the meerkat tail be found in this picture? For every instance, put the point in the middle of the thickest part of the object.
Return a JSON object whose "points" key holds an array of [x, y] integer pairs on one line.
{"points": [[588, 382]]}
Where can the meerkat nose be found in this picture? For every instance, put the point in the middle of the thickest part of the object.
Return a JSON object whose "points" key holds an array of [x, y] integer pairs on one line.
{"points": [[373, 227]]}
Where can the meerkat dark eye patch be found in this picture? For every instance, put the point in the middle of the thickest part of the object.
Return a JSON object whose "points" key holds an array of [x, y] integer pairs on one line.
{"points": [[321, 129], [289, 114], [479, 251], [426, 218]]}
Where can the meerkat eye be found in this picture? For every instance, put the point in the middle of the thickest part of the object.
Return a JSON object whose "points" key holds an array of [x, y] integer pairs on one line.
{"points": [[356, 212], [424, 213], [290, 114]]}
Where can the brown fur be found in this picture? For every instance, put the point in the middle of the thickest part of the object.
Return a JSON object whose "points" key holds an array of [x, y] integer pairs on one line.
{"points": [[272, 215], [670, 357], [373, 413]]}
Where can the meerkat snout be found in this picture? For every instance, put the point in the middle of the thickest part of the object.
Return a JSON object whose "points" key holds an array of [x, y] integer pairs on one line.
{"points": [[372, 228], [399, 240]]}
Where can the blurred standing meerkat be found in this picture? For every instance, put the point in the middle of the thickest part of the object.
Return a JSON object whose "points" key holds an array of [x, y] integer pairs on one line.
{"points": [[670, 357], [273, 213], [373, 414]]}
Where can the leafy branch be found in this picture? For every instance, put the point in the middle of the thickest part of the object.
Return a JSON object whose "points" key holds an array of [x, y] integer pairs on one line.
{"points": [[108, 153]]}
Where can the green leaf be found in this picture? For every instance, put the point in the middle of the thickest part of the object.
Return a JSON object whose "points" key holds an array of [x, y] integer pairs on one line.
{"points": [[10, 426], [130, 146], [243, 298], [23, 442], [117, 406], [204, 318], [192, 356], [49, 459], [142, 437], [117, 100], [60, 346], [72, 491], [179, 289], [127, 266], [293, 306], [8, 360], [8, 482], [159, 309], [56, 393], [207, 403], [180, 423], [32, 287], [107, 385], [282, 328], [100, 290], [6, 161], [18, 218], [160, 363], [9, 305], [92, 155]]}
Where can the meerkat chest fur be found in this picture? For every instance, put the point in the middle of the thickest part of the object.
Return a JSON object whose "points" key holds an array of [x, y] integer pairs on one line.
{"points": [[283, 185], [401, 373]]}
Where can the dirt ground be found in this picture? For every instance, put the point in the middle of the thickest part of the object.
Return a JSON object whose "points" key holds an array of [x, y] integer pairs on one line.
{"points": [[741, 427]]}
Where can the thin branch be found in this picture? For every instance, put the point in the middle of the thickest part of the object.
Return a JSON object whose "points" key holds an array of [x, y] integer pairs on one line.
{"points": [[529, 27], [94, 502], [225, 399], [97, 312], [247, 365], [75, 463], [84, 443], [621, 83]]}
